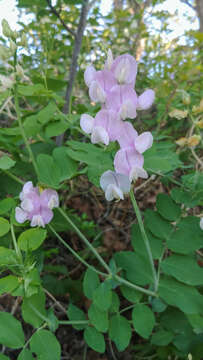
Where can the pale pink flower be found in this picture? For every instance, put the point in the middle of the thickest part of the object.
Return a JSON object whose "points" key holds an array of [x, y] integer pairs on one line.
{"points": [[36, 206], [114, 185]]}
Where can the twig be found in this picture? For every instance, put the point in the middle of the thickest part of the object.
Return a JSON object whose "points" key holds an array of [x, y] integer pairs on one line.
{"points": [[74, 61], [56, 302], [55, 12]]}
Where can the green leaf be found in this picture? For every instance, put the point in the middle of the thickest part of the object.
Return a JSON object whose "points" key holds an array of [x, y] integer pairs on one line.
{"points": [[185, 197], [196, 321], [102, 297], [90, 283], [6, 205], [32, 90], [183, 268], [94, 339], [159, 227], [120, 331], [175, 321], [156, 243], [33, 309], [25, 354], [158, 305], [187, 229], [47, 113], [8, 284], [167, 207], [6, 162], [7, 256], [31, 239], [143, 320], [49, 171], [4, 357], [162, 338], [130, 294], [56, 128], [115, 305], [74, 313], [137, 269], [4, 226], [68, 167], [45, 345], [11, 332], [185, 297], [98, 318]]}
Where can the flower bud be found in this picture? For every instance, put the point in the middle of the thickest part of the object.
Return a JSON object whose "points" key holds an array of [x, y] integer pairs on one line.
{"points": [[13, 46], [24, 42], [186, 98], [19, 71], [193, 140], [182, 141], [178, 114], [6, 29], [200, 124]]}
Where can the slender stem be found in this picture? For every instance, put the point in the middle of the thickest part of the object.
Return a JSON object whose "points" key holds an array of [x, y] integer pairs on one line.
{"points": [[14, 177], [22, 129], [144, 236], [17, 250], [75, 322], [135, 287], [74, 253], [84, 239]]}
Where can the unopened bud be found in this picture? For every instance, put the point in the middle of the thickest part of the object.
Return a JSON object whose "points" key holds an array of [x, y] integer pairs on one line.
{"points": [[178, 114], [13, 46], [193, 140], [6, 28], [24, 42], [198, 108], [186, 98], [182, 141], [19, 70], [200, 124]]}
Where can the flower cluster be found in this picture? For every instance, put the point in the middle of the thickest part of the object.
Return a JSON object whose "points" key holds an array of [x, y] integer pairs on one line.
{"points": [[36, 205], [113, 88]]}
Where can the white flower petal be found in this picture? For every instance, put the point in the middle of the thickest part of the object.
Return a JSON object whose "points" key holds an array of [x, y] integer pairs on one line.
{"points": [[137, 172], [113, 192], [107, 178], [27, 205], [86, 123], [37, 221], [99, 135], [89, 75], [20, 215], [143, 142], [53, 201], [96, 92], [201, 223]]}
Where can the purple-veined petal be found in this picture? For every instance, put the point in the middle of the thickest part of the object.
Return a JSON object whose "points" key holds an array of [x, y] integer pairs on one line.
{"points": [[49, 198], [143, 142], [89, 75], [146, 99], [37, 221], [126, 159], [27, 205], [99, 135], [86, 123], [96, 92], [20, 215], [124, 68], [128, 110], [127, 135], [113, 192], [136, 173], [46, 215]]}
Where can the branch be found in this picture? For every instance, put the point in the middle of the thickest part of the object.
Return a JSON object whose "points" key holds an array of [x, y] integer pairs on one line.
{"points": [[54, 11], [74, 61], [189, 4]]}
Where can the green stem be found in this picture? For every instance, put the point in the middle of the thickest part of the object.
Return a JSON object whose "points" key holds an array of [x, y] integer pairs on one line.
{"points": [[17, 250], [75, 322], [144, 236], [133, 286], [84, 239], [75, 253], [18, 112], [13, 177]]}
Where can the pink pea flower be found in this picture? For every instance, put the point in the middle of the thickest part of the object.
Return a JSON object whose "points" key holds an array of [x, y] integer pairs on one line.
{"points": [[114, 185], [124, 68], [129, 159], [99, 83], [36, 206], [104, 128], [123, 100], [145, 100]]}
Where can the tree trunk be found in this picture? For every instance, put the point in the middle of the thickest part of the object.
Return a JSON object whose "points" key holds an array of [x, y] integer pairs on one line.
{"points": [[199, 9]]}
